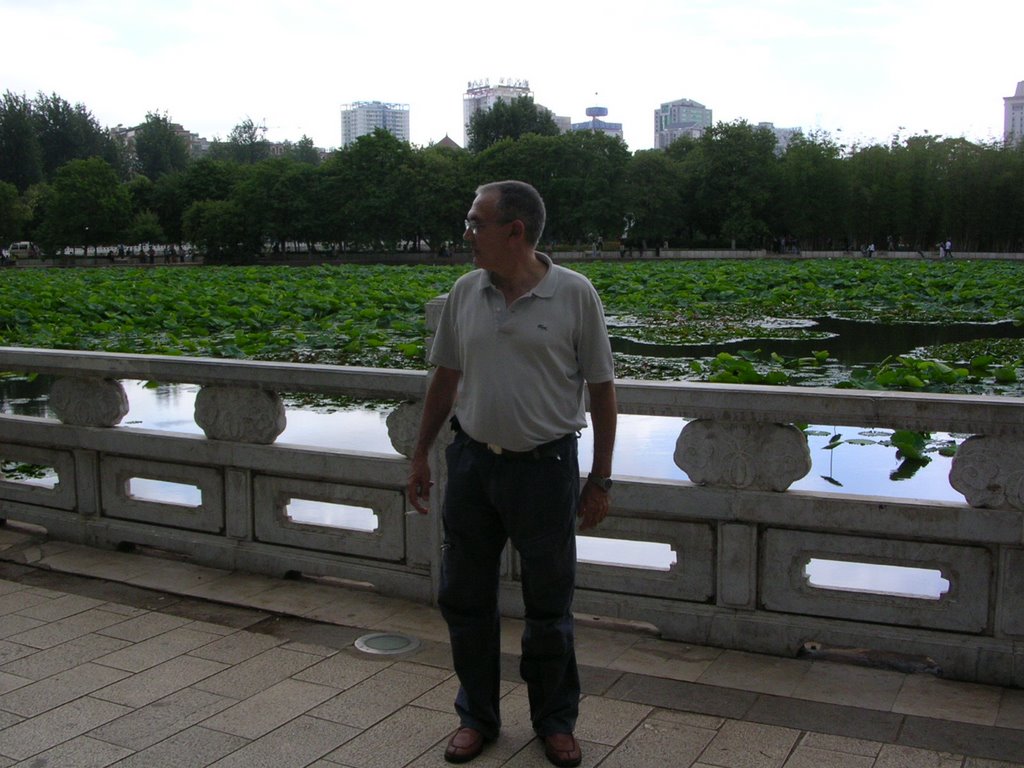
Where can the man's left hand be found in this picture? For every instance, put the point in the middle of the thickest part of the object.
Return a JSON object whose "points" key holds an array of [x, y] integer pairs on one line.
{"points": [[593, 507]]}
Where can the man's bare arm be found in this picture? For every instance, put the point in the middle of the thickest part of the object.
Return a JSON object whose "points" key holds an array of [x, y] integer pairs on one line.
{"points": [[444, 385]]}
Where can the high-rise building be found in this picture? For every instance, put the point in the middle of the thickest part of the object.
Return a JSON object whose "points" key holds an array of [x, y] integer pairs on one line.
{"points": [[363, 117], [682, 117], [597, 125], [480, 96], [1013, 117]]}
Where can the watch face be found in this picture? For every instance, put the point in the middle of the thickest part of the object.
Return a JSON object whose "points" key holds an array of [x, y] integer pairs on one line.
{"points": [[604, 483]]}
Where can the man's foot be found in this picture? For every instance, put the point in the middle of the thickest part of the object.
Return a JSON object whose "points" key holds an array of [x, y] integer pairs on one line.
{"points": [[464, 745], [563, 750]]}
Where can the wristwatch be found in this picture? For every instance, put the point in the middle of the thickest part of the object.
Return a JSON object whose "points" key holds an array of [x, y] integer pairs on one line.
{"points": [[604, 483]]}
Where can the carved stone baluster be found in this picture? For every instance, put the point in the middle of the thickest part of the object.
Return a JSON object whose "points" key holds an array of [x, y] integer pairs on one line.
{"points": [[989, 471], [88, 401], [240, 414], [749, 455]]}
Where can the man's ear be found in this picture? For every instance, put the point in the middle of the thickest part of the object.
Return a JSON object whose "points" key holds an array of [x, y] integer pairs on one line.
{"points": [[518, 229]]}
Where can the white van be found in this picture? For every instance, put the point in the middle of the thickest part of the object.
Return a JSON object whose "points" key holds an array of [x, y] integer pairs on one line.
{"points": [[22, 250]]}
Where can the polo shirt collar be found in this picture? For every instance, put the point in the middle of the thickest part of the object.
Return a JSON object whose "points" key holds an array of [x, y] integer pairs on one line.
{"points": [[545, 289]]}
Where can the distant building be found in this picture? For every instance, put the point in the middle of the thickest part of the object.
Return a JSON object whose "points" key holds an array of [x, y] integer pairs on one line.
{"points": [[1013, 117], [782, 136], [682, 117], [597, 125], [197, 145], [363, 117], [481, 96]]}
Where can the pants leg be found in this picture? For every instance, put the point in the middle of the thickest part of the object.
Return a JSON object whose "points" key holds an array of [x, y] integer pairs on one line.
{"points": [[543, 531], [470, 562]]}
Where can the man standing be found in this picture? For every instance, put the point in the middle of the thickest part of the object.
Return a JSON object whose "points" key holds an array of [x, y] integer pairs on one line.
{"points": [[520, 338]]}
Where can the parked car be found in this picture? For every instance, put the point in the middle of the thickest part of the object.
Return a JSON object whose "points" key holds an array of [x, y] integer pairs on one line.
{"points": [[23, 250]]}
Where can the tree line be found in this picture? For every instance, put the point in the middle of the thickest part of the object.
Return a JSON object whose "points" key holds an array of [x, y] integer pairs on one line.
{"points": [[65, 182]]}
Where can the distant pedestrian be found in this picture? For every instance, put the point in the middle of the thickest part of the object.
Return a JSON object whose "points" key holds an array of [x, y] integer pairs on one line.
{"points": [[949, 248]]}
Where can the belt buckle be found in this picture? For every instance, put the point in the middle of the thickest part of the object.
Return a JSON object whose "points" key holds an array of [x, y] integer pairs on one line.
{"points": [[495, 449]]}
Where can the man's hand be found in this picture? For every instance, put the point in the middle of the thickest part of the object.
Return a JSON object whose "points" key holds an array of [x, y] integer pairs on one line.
{"points": [[593, 506], [417, 488]]}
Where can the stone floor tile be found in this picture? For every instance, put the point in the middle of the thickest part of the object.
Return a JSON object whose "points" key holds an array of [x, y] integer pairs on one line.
{"points": [[270, 708], [189, 748], [421, 621], [57, 632], [750, 745], [254, 675], [928, 696], [681, 695], [155, 722], [1011, 710], [896, 756], [294, 745], [12, 651], [532, 756], [297, 598], [856, 686], [237, 647], [675, 661], [397, 740], [64, 656], [14, 624], [830, 743], [352, 608], [143, 626], [294, 629], [80, 752], [607, 721], [226, 618], [97, 563], [43, 695], [600, 646], [836, 719], [20, 600], [9, 682], [175, 577], [157, 682], [60, 608], [157, 650], [40, 733], [374, 699], [424, 670], [756, 672], [963, 738], [692, 719], [812, 757], [344, 669], [648, 745], [234, 587], [979, 762]]}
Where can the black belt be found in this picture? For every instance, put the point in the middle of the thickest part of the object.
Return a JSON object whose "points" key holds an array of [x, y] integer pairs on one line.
{"points": [[550, 450]]}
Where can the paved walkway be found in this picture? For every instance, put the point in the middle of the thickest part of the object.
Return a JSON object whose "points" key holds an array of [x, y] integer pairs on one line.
{"points": [[110, 658]]}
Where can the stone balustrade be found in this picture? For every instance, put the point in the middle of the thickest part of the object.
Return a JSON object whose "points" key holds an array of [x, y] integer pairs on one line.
{"points": [[741, 538]]}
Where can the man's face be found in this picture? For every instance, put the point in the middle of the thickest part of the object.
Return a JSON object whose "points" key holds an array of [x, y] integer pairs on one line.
{"points": [[485, 231]]}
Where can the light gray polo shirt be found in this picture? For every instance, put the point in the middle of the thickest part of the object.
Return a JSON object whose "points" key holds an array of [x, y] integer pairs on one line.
{"points": [[523, 367]]}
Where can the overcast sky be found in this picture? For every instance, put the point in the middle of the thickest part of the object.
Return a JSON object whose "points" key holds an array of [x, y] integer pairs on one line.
{"points": [[860, 69]]}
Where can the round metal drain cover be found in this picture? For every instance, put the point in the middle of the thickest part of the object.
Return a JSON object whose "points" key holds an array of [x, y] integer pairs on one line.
{"points": [[387, 643]]}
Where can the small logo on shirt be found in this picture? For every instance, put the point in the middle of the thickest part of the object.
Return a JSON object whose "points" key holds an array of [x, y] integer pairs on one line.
{"points": [[542, 326]]}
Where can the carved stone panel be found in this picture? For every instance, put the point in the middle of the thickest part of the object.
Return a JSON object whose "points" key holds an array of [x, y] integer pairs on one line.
{"points": [[989, 472], [765, 457], [403, 427], [240, 414], [88, 402]]}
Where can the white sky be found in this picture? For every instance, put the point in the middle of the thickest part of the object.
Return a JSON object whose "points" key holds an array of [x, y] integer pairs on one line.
{"points": [[860, 69]]}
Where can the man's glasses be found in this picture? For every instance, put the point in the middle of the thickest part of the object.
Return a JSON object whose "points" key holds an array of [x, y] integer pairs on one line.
{"points": [[476, 226]]}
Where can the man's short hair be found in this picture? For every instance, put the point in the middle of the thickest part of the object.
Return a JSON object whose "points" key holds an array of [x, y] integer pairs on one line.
{"points": [[519, 200]]}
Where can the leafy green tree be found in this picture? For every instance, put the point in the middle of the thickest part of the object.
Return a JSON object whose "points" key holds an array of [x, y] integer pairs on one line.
{"points": [[158, 147], [440, 194], [367, 189], [509, 120], [21, 158], [814, 191], [221, 231], [68, 132], [653, 188], [303, 151], [13, 213], [278, 195], [87, 205], [246, 144], [733, 183], [145, 228]]}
